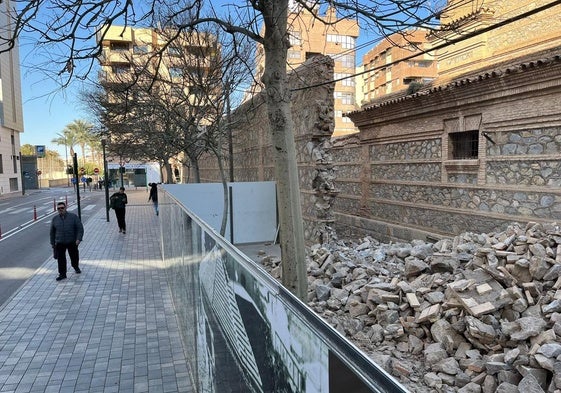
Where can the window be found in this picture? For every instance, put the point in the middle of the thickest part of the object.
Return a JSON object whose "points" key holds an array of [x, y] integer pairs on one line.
{"points": [[1, 164], [175, 72], [348, 81], [346, 98], [13, 184], [347, 61], [293, 54], [346, 42], [140, 49], [119, 46], [120, 69], [295, 38], [464, 145]]}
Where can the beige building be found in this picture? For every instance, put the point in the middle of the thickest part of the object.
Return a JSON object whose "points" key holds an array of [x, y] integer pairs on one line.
{"points": [[389, 67], [11, 113], [311, 35], [176, 72]]}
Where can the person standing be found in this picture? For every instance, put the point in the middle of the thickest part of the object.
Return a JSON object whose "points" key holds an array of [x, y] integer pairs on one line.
{"points": [[154, 196], [66, 234], [118, 203]]}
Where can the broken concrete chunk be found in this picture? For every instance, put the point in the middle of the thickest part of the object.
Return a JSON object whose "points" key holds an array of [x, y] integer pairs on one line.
{"points": [[523, 328]]}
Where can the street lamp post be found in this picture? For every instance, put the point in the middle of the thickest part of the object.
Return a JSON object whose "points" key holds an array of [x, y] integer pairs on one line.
{"points": [[105, 180]]}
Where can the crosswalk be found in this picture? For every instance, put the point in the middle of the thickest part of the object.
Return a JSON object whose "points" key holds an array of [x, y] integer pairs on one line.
{"points": [[45, 209]]}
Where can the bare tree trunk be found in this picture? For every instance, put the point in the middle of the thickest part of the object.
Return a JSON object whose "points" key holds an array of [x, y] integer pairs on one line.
{"points": [[195, 169], [293, 254], [169, 173]]}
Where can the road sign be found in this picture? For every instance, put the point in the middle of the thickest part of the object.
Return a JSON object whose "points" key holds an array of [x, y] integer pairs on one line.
{"points": [[40, 151], [96, 170]]}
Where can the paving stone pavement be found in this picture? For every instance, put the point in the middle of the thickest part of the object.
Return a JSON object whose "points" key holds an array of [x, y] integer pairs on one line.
{"points": [[110, 329]]}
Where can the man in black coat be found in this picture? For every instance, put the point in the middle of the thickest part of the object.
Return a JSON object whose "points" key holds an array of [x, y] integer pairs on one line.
{"points": [[66, 234]]}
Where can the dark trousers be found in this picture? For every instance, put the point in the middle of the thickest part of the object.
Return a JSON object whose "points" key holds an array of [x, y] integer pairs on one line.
{"points": [[120, 214], [61, 256]]}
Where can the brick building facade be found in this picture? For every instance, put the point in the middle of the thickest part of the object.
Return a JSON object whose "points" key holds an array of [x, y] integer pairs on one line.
{"points": [[471, 155]]}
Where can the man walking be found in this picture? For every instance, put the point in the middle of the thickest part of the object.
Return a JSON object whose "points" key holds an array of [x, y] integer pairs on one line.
{"points": [[118, 202], [66, 234], [154, 196]]}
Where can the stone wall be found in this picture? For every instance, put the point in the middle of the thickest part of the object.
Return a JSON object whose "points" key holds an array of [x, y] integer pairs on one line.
{"points": [[312, 112], [398, 180]]}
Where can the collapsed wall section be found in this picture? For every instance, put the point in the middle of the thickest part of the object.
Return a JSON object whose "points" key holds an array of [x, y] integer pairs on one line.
{"points": [[312, 112]]}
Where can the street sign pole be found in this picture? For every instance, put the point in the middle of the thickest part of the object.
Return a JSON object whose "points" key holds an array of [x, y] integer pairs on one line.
{"points": [[75, 162]]}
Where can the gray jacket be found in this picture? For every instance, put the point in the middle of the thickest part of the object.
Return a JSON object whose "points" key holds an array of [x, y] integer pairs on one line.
{"points": [[66, 229]]}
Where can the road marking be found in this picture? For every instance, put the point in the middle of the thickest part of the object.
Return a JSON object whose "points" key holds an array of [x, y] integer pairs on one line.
{"points": [[25, 209]]}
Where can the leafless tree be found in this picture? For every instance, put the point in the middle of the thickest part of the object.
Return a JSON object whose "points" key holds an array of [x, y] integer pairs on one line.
{"points": [[65, 31]]}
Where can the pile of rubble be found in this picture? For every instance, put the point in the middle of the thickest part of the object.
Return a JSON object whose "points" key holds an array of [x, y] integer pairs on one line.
{"points": [[477, 313]]}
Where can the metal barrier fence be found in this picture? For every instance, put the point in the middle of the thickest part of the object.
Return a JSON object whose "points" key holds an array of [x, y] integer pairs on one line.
{"points": [[242, 331]]}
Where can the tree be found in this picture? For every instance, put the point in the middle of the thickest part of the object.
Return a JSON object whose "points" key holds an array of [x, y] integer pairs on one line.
{"points": [[27, 150], [81, 132], [67, 139], [61, 22]]}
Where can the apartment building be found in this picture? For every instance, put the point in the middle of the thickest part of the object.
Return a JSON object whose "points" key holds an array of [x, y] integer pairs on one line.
{"points": [[528, 27], [171, 64], [392, 67], [11, 112], [312, 34]]}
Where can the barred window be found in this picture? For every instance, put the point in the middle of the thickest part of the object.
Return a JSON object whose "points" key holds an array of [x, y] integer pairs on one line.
{"points": [[464, 145]]}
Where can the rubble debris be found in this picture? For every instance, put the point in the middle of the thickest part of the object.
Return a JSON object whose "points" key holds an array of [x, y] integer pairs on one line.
{"points": [[477, 313]]}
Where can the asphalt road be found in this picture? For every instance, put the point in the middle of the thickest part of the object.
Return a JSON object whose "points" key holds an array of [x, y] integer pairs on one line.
{"points": [[24, 231]]}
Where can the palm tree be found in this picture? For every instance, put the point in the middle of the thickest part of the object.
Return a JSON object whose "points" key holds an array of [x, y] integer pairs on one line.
{"points": [[67, 139], [82, 131]]}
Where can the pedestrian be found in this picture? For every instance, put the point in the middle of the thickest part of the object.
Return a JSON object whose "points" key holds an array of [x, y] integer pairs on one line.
{"points": [[154, 196], [118, 203], [66, 234]]}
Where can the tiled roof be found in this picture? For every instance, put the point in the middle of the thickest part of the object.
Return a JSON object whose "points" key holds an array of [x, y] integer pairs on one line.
{"points": [[508, 67]]}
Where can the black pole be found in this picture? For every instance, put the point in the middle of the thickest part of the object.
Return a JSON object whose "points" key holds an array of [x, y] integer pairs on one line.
{"points": [[75, 162], [105, 180], [230, 136], [230, 196], [121, 170]]}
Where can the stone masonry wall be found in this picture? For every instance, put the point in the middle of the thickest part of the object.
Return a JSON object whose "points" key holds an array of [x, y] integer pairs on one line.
{"points": [[312, 112], [397, 180]]}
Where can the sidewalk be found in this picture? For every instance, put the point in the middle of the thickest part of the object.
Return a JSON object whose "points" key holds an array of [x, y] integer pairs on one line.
{"points": [[110, 329]]}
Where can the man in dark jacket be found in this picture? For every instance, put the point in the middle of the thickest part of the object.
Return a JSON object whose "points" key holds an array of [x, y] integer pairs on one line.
{"points": [[118, 202], [66, 234], [154, 196]]}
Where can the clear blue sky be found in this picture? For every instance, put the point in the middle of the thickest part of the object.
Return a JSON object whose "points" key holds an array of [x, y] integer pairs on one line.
{"points": [[47, 109]]}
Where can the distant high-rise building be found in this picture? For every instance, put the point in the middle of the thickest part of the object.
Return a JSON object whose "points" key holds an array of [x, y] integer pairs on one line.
{"points": [[389, 67], [313, 34], [11, 110]]}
